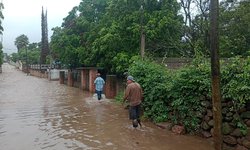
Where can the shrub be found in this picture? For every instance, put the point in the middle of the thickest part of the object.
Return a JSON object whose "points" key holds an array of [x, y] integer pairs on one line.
{"points": [[179, 95], [190, 85], [156, 83]]}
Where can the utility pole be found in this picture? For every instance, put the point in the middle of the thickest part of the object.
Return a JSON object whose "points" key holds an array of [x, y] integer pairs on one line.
{"points": [[215, 68], [142, 51], [27, 70]]}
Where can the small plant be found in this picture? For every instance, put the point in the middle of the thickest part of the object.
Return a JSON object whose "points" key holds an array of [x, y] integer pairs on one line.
{"points": [[119, 97]]}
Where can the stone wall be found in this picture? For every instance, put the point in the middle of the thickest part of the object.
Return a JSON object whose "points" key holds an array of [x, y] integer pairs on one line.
{"points": [[234, 135], [174, 63]]}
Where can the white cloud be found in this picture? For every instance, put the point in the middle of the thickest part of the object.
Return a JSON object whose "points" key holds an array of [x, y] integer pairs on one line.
{"points": [[24, 17]]}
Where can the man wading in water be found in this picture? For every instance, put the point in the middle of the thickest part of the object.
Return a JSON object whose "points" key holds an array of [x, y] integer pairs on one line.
{"points": [[99, 83], [134, 95]]}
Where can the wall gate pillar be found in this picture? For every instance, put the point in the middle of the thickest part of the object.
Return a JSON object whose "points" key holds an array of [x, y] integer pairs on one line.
{"points": [[111, 86], [61, 77], [85, 79], [92, 77], [70, 78]]}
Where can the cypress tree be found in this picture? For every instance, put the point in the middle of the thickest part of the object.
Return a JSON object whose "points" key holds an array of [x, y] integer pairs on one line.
{"points": [[44, 42]]}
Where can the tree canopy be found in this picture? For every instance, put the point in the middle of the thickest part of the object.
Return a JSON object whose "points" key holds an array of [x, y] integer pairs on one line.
{"points": [[1, 31], [235, 28], [33, 51], [107, 33], [21, 42]]}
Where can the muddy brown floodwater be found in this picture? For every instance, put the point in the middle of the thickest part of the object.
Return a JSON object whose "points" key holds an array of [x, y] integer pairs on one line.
{"points": [[37, 114]]}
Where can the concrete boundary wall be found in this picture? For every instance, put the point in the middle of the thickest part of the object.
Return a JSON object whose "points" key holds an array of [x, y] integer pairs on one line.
{"points": [[38, 73], [83, 78]]}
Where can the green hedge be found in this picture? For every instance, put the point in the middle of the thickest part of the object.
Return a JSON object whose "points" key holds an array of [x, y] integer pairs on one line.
{"points": [[156, 83], [178, 95]]}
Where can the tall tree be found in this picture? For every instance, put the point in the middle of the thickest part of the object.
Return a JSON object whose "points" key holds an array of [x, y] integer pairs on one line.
{"points": [[1, 31], [195, 30], [1, 17], [21, 42], [44, 42], [102, 33], [235, 28]]}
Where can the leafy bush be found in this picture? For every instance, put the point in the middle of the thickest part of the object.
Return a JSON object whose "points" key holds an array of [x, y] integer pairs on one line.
{"points": [[235, 87], [235, 81], [190, 85], [121, 63], [119, 97], [179, 95], [156, 83]]}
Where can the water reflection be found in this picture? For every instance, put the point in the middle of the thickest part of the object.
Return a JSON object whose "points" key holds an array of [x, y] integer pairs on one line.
{"points": [[37, 114]]}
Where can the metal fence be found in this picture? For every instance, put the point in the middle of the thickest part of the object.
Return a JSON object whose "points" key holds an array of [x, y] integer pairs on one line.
{"points": [[42, 66]]}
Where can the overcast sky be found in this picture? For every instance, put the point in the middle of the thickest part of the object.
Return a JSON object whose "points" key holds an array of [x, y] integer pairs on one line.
{"points": [[24, 17]]}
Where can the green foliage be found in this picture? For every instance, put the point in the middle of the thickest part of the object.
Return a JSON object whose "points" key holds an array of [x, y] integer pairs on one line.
{"points": [[21, 41], [1, 17], [119, 97], [65, 47], [235, 81], [190, 85], [106, 33], [98, 33], [175, 95], [235, 28], [163, 31], [33, 54], [239, 123], [1, 32], [121, 61], [14, 57], [179, 95], [155, 81], [29, 52]]}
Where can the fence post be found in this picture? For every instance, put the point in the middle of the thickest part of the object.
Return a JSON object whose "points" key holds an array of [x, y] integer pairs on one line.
{"points": [[84, 79], [110, 86], [92, 77], [61, 77], [70, 78]]}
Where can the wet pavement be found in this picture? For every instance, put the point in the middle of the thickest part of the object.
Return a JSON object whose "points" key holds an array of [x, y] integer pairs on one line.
{"points": [[37, 114]]}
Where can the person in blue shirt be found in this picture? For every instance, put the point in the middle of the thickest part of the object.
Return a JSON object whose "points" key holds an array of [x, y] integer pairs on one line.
{"points": [[99, 83]]}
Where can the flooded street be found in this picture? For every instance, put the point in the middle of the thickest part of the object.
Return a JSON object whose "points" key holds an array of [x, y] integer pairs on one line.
{"points": [[37, 114]]}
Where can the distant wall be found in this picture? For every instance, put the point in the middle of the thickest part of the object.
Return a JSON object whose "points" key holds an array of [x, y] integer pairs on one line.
{"points": [[38, 73], [174, 63]]}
